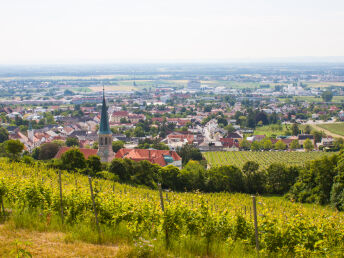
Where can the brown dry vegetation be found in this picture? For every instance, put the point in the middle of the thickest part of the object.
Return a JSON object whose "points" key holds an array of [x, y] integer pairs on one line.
{"points": [[52, 244]]}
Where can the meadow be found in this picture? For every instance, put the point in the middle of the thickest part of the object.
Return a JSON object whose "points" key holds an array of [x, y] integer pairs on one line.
{"points": [[263, 158], [336, 128], [269, 130], [185, 225]]}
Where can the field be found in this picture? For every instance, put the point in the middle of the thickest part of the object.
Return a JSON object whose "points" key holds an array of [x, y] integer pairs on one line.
{"points": [[263, 158], [113, 88], [313, 99], [324, 84], [192, 224], [336, 128], [270, 130]]}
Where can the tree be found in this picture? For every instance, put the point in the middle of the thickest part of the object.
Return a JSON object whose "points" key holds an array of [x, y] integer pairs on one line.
{"points": [[117, 145], [3, 135], [169, 177], [279, 178], [280, 145], [73, 160], [327, 96], [245, 144], [94, 164], [120, 168], [267, 144], [207, 109], [308, 145], [193, 176], [189, 152], [225, 178], [338, 143], [72, 141], [230, 128], [295, 129], [337, 191], [307, 129], [294, 145], [254, 179], [13, 148], [317, 136], [256, 146], [48, 151]]}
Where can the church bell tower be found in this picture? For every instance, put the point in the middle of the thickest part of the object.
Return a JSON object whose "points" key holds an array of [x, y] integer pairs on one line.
{"points": [[105, 135]]}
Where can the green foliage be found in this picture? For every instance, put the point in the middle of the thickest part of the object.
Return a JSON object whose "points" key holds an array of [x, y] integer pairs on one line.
{"points": [[72, 142], [13, 148], [280, 178], [193, 175], [225, 178], [256, 146], [308, 145], [295, 129], [193, 224], [48, 150], [189, 152], [245, 144], [327, 96], [294, 145], [94, 164], [3, 135], [280, 145], [254, 179], [73, 159], [117, 145], [315, 181]]}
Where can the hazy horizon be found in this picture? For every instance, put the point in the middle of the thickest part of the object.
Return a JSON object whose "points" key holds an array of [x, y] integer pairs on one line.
{"points": [[104, 31]]}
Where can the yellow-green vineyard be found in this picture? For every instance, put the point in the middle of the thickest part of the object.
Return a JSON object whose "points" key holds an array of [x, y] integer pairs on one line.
{"points": [[263, 158], [193, 224]]}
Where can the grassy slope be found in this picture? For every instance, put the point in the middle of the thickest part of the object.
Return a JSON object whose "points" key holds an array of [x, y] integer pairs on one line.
{"points": [[268, 207], [51, 244], [334, 128]]}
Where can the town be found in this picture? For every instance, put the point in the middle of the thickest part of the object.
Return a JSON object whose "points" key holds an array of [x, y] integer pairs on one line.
{"points": [[222, 112]]}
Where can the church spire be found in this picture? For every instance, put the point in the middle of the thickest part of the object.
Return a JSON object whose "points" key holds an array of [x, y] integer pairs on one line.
{"points": [[104, 119]]}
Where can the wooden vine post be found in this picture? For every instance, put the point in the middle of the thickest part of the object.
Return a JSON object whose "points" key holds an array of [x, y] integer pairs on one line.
{"points": [[255, 221], [61, 203], [2, 205], [161, 198], [94, 207]]}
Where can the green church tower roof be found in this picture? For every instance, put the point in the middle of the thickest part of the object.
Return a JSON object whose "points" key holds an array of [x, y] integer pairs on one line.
{"points": [[104, 120]]}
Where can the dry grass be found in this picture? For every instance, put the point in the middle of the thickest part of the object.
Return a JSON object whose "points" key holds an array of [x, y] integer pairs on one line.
{"points": [[53, 244]]}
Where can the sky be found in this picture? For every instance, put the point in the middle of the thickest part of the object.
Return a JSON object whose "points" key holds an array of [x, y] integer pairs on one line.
{"points": [[101, 31]]}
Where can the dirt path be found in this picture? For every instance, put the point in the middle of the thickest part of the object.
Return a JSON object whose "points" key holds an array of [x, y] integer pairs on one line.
{"points": [[326, 131], [51, 244]]}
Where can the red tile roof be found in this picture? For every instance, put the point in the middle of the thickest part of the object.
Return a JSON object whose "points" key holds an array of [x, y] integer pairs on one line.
{"points": [[229, 142], [188, 137], [154, 156], [86, 152], [120, 113]]}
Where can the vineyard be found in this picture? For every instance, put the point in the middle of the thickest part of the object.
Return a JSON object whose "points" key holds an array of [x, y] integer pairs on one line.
{"points": [[337, 128], [263, 158], [192, 224]]}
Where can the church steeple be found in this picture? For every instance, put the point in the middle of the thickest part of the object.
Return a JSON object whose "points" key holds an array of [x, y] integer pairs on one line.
{"points": [[105, 135], [104, 127]]}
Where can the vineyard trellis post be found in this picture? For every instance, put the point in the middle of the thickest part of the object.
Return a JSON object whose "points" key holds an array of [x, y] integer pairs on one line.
{"points": [[255, 221], [61, 203], [94, 207], [161, 198], [2, 205]]}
